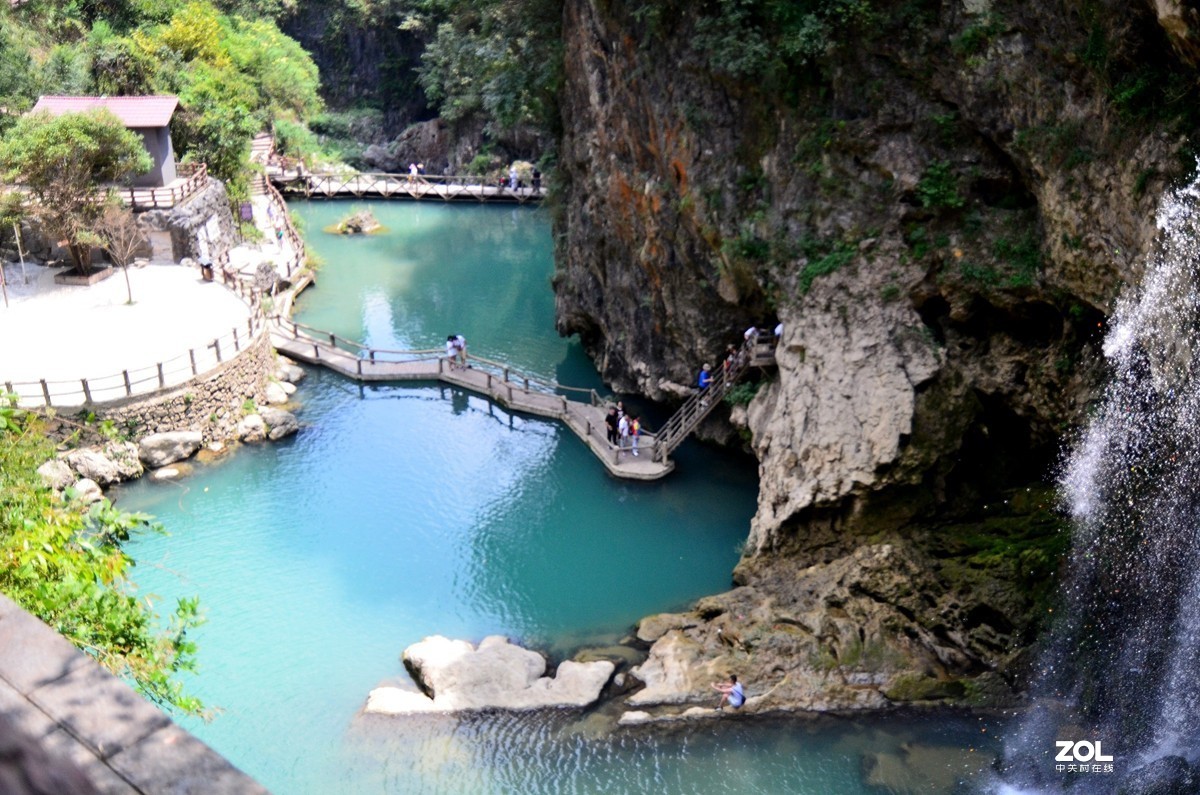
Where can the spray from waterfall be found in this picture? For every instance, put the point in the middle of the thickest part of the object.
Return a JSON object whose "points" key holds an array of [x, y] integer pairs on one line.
{"points": [[1121, 667]]}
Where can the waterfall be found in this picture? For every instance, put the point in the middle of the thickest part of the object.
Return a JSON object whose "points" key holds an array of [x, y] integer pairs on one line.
{"points": [[1121, 665]]}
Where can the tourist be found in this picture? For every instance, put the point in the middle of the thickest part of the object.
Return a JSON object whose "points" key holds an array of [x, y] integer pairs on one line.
{"points": [[451, 350], [731, 691], [779, 331], [635, 430], [513, 177], [750, 335], [623, 429], [460, 344], [731, 361], [412, 173], [279, 231], [610, 421], [537, 180], [705, 378]]}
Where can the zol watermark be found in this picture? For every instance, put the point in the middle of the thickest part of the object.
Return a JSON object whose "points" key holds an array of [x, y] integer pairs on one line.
{"points": [[1082, 756]]}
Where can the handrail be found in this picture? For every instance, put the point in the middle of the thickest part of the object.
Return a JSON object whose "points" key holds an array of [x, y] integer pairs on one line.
{"points": [[508, 373], [142, 380]]}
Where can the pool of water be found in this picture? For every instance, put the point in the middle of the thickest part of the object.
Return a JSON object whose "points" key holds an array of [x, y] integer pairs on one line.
{"points": [[404, 511]]}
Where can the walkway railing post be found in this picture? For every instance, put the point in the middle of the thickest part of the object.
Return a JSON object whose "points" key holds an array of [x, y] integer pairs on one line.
{"points": [[162, 381], [128, 386], [46, 392], [217, 348], [87, 392], [237, 346], [359, 361], [192, 356]]}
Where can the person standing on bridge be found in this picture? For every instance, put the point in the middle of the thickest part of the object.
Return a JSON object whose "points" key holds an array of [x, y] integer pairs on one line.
{"points": [[610, 421], [460, 343], [623, 428], [513, 177], [451, 350], [635, 430]]}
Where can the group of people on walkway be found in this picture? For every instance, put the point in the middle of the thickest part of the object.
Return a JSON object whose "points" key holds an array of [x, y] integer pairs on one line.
{"points": [[735, 358], [456, 352], [623, 429]]}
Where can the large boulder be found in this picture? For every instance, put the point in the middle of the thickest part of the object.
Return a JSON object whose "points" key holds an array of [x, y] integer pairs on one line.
{"points": [[275, 393], [56, 474], [252, 429], [160, 449], [87, 491], [280, 423], [93, 465], [454, 675], [125, 456]]}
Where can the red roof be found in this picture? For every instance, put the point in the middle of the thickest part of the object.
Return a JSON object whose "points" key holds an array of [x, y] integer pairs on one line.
{"points": [[133, 112]]}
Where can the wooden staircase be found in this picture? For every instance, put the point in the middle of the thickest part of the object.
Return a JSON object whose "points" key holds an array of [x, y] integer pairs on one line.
{"points": [[758, 351]]}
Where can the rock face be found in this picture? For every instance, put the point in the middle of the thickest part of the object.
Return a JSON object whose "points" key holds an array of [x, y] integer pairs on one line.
{"points": [[160, 449], [935, 207], [455, 675]]}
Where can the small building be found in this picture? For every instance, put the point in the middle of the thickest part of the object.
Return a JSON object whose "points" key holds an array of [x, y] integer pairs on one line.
{"points": [[149, 117]]}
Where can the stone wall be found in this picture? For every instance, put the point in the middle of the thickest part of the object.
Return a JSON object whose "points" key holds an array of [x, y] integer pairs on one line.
{"points": [[211, 403]]}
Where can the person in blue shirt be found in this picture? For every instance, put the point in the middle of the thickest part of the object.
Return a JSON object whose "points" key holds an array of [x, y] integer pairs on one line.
{"points": [[731, 691], [705, 378]]}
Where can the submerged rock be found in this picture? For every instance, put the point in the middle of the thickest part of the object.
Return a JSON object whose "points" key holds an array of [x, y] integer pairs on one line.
{"points": [[454, 675]]}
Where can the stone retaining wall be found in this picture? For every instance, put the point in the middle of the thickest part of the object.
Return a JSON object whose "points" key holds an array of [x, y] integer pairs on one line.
{"points": [[86, 721], [210, 403]]}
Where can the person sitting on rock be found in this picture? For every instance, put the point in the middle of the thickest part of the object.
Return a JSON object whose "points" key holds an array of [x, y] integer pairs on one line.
{"points": [[731, 691]]}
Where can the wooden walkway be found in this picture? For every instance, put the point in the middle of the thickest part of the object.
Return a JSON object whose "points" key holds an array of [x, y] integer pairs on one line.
{"points": [[397, 186], [493, 380]]}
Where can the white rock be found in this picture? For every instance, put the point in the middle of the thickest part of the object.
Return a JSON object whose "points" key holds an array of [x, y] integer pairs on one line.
{"points": [[496, 675], [125, 456], [93, 465], [166, 473], [288, 388], [88, 491], [160, 449], [252, 429], [275, 394], [56, 474]]}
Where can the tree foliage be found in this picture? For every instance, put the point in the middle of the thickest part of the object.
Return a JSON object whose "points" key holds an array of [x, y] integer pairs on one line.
{"points": [[65, 565], [500, 59], [62, 160]]}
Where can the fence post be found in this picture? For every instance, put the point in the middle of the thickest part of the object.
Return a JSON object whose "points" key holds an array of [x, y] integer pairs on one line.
{"points": [[250, 326], [564, 400], [8, 390], [87, 392], [506, 376], [162, 382], [359, 361], [217, 347], [526, 384], [128, 386], [316, 351], [237, 346], [46, 392], [373, 357], [192, 356]]}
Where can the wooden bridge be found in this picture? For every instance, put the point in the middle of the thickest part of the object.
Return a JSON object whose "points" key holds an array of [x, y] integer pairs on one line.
{"points": [[581, 410], [311, 185]]}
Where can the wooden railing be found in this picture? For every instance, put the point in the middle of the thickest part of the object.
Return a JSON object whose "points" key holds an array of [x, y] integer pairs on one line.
{"points": [[448, 188], [507, 373], [296, 261], [195, 177], [141, 381]]}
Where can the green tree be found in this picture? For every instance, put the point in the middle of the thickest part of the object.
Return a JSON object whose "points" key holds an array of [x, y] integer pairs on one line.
{"points": [[65, 565], [63, 161]]}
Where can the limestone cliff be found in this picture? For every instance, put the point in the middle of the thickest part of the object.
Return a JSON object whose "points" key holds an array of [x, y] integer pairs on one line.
{"points": [[940, 202]]}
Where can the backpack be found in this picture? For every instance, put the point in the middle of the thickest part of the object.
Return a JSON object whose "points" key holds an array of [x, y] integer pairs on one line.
{"points": [[635, 428]]}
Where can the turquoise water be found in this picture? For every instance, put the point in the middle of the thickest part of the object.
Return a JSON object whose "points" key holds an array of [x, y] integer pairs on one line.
{"points": [[404, 511]]}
